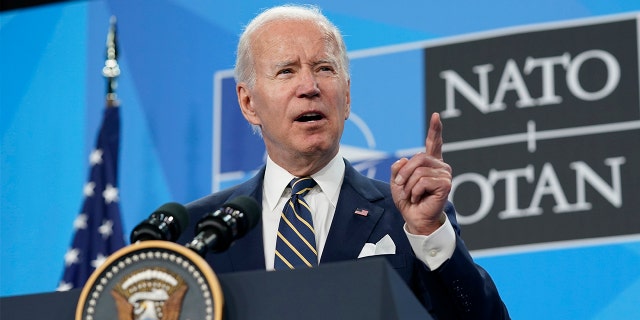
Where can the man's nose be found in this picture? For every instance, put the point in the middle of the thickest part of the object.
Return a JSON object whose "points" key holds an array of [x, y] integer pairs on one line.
{"points": [[308, 85]]}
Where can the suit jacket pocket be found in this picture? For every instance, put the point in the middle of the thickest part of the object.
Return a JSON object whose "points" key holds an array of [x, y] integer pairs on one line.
{"points": [[397, 261]]}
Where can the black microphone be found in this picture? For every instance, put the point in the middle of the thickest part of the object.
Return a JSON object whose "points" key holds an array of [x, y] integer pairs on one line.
{"points": [[166, 223], [217, 230]]}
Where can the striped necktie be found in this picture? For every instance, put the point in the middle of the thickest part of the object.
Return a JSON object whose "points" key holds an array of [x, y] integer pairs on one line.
{"points": [[296, 243]]}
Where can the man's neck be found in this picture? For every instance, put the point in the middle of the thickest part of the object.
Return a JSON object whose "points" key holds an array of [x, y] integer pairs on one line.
{"points": [[304, 166]]}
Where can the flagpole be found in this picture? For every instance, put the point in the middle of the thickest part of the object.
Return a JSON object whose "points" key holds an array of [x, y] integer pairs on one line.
{"points": [[111, 69]]}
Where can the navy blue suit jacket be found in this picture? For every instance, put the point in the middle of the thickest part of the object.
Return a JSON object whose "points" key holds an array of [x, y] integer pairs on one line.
{"points": [[459, 289]]}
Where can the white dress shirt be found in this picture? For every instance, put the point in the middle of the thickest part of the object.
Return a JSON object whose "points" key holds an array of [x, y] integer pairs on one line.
{"points": [[433, 250]]}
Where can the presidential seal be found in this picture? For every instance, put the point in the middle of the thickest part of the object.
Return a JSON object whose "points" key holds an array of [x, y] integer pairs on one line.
{"points": [[152, 280]]}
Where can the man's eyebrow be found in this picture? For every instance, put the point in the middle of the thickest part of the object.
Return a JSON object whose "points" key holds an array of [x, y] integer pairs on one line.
{"points": [[289, 63], [283, 64], [325, 61]]}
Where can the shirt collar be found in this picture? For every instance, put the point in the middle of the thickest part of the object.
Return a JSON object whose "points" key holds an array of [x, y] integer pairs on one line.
{"points": [[329, 179]]}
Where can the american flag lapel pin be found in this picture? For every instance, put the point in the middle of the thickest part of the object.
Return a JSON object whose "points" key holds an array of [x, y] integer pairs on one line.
{"points": [[362, 212]]}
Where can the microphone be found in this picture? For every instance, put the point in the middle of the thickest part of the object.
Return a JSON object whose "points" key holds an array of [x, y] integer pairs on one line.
{"points": [[217, 230], [166, 223]]}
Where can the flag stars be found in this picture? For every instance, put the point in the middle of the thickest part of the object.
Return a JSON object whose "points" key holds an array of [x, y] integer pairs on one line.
{"points": [[95, 157], [72, 256], [80, 222], [64, 286], [100, 259], [106, 229], [89, 188], [98, 224], [110, 194]]}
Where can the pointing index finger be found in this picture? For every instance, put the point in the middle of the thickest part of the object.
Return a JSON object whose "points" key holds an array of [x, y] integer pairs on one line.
{"points": [[433, 143]]}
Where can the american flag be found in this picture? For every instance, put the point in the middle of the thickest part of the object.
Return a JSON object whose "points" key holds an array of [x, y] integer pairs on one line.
{"points": [[98, 228]]}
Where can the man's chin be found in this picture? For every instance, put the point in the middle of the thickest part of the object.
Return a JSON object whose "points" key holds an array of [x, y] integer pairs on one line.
{"points": [[320, 150]]}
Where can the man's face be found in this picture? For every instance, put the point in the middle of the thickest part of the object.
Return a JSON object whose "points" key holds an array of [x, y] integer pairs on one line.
{"points": [[301, 98]]}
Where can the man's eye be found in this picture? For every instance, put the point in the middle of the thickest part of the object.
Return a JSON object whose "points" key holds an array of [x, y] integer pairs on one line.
{"points": [[285, 71], [326, 68]]}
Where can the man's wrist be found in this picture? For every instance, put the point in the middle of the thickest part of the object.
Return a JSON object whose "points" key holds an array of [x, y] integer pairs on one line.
{"points": [[429, 227], [436, 248]]}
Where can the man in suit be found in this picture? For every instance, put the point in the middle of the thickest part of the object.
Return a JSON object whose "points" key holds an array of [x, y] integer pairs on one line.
{"points": [[293, 87]]}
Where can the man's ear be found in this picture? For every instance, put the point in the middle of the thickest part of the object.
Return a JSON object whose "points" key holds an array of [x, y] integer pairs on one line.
{"points": [[246, 104], [347, 109]]}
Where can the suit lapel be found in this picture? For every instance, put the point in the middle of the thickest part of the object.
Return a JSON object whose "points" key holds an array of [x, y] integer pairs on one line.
{"points": [[349, 230], [247, 253]]}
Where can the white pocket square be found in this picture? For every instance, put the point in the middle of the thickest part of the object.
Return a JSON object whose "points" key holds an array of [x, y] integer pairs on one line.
{"points": [[384, 246]]}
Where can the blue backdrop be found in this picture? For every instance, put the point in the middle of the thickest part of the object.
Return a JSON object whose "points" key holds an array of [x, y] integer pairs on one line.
{"points": [[52, 97]]}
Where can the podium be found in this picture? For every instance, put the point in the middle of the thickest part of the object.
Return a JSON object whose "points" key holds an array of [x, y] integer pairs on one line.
{"points": [[365, 289]]}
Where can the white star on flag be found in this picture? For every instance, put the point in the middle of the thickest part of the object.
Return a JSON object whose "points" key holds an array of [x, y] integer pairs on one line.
{"points": [[71, 256], [88, 189], [110, 194], [106, 229], [95, 157], [64, 286], [80, 222], [100, 259]]}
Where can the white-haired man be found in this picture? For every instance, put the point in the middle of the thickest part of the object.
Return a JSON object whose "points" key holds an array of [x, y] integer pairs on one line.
{"points": [[293, 87]]}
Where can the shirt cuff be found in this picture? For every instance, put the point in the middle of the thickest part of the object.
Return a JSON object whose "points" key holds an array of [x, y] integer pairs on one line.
{"points": [[435, 248]]}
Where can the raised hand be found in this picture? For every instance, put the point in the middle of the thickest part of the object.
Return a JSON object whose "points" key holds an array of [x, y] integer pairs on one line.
{"points": [[420, 185]]}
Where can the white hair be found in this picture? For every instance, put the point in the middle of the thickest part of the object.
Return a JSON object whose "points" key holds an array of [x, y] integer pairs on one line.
{"points": [[245, 71]]}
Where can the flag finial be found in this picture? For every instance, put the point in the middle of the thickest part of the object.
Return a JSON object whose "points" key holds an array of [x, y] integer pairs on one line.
{"points": [[111, 69]]}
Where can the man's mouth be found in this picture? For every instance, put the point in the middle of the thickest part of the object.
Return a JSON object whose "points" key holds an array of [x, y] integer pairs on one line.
{"points": [[312, 116]]}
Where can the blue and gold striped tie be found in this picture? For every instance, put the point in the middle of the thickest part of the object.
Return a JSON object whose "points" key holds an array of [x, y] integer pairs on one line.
{"points": [[296, 243]]}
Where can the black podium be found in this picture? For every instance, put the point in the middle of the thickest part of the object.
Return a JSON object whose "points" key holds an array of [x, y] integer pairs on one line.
{"points": [[364, 289]]}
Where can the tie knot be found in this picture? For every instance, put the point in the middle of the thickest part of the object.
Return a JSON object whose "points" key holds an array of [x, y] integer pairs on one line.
{"points": [[301, 186]]}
